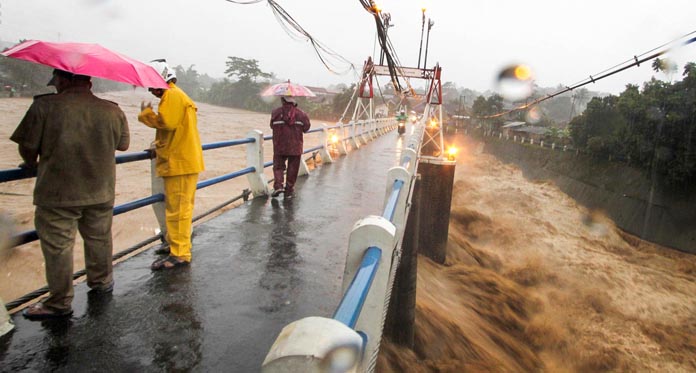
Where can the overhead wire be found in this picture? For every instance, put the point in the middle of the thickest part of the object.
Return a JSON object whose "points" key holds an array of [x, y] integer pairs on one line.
{"points": [[635, 61], [328, 57]]}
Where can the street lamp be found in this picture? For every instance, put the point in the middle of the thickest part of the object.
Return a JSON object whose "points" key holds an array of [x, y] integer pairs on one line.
{"points": [[420, 49], [431, 23]]}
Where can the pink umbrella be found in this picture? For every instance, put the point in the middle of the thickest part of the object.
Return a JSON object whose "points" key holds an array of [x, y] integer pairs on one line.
{"points": [[287, 89], [88, 59]]}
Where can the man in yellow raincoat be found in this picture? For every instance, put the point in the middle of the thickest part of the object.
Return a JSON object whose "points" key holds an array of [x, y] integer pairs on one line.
{"points": [[179, 161]]}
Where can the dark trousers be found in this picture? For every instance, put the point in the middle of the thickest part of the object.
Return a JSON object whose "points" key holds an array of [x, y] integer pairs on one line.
{"points": [[293, 167], [56, 227]]}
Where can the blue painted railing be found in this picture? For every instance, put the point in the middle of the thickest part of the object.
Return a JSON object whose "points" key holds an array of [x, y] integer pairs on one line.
{"points": [[354, 298], [25, 173]]}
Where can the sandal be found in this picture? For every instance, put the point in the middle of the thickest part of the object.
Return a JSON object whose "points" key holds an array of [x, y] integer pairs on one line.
{"points": [[40, 311], [168, 263]]}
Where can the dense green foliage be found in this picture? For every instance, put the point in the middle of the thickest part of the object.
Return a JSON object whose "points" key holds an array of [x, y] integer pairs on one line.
{"points": [[653, 128]]}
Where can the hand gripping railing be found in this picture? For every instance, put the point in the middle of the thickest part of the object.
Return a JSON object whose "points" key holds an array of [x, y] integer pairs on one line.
{"points": [[254, 172], [349, 341]]}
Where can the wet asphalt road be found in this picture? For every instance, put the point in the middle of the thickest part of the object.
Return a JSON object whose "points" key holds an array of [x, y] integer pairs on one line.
{"points": [[255, 269]]}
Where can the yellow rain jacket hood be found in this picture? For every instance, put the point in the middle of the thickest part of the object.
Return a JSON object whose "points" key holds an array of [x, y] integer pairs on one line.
{"points": [[177, 143]]}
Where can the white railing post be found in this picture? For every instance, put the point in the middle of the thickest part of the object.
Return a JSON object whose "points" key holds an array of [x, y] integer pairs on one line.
{"points": [[342, 139], [157, 186], [553, 146], [354, 143], [363, 134], [306, 345], [324, 152], [378, 232], [304, 170], [413, 156], [257, 179], [5, 322]]}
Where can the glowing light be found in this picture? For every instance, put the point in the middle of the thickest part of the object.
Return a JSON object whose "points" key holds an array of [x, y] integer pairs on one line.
{"points": [[334, 138], [433, 123], [376, 7], [523, 72], [451, 153]]}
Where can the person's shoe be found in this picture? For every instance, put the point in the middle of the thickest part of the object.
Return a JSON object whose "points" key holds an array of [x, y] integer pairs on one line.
{"points": [[169, 262], [277, 192], [289, 195], [163, 249], [103, 289], [40, 311]]}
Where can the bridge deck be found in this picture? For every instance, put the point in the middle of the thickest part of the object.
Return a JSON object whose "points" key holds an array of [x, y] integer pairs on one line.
{"points": [[255, 269]]}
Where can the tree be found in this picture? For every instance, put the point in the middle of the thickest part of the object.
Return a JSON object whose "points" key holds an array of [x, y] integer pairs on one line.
{"points": [[245, 70], [666, 66], [24, 77], [188, 80]]}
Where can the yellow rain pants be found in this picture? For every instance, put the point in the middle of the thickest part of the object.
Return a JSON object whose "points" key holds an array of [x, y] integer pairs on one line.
{"points": [[179, 194]]}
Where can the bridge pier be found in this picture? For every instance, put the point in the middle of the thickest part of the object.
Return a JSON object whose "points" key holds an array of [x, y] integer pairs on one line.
{"points": [[434, 202], [399, 326]]}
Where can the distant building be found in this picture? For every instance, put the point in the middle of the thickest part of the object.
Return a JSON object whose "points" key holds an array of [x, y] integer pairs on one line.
{"points": [[381, 111], [508, 127], [323, 95], [530, 132]]}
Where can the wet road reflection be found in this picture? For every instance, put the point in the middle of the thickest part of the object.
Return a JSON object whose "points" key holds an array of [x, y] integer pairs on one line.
{"points": [[281, 278]]}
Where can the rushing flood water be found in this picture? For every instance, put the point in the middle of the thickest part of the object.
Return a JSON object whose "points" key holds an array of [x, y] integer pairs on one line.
{"points": [[535, 282]]}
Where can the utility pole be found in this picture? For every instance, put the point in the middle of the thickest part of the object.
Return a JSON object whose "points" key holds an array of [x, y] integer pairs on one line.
{"points": [[420, 49], [431, 23]]}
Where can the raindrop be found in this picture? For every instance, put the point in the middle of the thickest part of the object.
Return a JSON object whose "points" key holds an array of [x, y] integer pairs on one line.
{"points": [[515, 82], [269, 99], [533, 115]]}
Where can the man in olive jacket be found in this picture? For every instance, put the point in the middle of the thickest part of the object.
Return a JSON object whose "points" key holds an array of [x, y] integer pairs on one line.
{"points": [[71, 137]]}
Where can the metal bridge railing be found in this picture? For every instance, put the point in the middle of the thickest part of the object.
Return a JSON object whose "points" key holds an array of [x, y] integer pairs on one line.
{"points": [[349, 341], [253, 171]]}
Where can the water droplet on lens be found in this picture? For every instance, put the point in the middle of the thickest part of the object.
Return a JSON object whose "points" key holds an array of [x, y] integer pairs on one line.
{"points": [[515, 82], [533, 115]]}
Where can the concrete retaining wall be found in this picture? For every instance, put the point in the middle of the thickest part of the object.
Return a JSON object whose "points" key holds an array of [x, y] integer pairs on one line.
{"points": [[619, 190]]}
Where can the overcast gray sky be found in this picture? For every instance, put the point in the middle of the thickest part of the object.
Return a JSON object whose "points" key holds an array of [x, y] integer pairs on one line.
{"points": [[562, 41]]}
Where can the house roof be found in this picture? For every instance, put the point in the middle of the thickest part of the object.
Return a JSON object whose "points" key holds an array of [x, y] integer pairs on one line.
{"points": [[320, 91], [513, 124], [532, 129]]}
